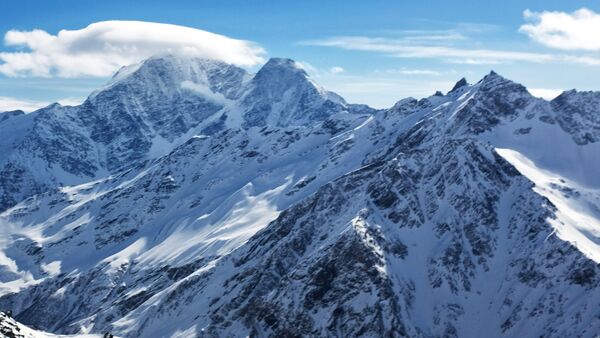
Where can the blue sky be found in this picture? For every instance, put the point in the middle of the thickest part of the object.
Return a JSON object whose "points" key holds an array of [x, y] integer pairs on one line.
{"points": [[373, 52]]}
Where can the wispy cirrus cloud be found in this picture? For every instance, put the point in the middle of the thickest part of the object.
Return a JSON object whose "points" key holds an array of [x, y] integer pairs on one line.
{"points": [[452, 31], [426, 36], [103, 47], [400, 48], [460, 43], [579, 30]]}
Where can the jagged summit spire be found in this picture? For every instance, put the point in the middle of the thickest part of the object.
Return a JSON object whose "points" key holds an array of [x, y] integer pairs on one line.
{"points": [[494, 80], [492, 74], [461, 83]]}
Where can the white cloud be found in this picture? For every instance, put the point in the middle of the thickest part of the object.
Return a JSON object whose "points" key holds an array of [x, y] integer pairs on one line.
{"points": [[545, 93], [9, 103], [401, 49], [336, 70], [579, 30], [103, 47]]}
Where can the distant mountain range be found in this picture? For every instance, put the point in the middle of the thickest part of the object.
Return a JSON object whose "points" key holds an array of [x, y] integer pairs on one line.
{"points": [[189, 198]]}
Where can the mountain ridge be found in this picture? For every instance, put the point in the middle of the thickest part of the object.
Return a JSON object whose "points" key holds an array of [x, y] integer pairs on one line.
{"points": [[347, 221]]}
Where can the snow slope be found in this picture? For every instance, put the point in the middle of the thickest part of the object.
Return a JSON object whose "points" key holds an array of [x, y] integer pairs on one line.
{"points": [[9, 328]]}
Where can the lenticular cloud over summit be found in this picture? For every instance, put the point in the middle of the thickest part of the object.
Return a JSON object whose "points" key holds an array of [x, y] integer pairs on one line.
{"points": [[102, 47]]}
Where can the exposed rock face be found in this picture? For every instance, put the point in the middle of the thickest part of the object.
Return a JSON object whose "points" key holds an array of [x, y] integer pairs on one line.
{"points": [[577, 113], [216, 203], [337, 265], [461, 83]]}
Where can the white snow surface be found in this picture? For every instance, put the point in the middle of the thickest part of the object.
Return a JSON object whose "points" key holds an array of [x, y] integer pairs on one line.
{"points": [[10, 326]]}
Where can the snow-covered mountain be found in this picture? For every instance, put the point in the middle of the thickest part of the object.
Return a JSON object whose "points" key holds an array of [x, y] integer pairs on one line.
{"points": [[143, 113], [190, 198]]}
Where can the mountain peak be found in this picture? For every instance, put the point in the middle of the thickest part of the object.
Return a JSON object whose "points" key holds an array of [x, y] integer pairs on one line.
{"points": [[13, 112], [494, 81], [280, 70], [575, 92], [282, 63], [279, 75], [461, 83], [492, 75], [282, 93]]}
